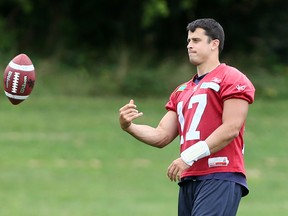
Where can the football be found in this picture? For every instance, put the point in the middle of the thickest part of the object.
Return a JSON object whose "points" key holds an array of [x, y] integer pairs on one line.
{"points": [[19, 79]]}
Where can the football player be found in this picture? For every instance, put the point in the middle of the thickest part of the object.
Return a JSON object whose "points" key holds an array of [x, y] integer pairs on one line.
{"points": [[208, 113]]}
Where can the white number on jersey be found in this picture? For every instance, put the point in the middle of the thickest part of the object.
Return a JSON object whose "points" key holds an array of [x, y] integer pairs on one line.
{"points": [[201, 102]]}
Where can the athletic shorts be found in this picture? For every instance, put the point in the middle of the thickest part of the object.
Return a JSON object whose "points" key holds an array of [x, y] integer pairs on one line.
{"points": [[211, 197]]}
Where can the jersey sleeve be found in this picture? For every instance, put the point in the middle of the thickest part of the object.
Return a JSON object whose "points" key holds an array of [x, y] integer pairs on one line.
{"points": [[171, 104], [237, 85]]}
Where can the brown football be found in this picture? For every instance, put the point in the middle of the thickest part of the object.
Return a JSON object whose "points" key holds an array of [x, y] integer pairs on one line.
{"points": [[19, 79]]}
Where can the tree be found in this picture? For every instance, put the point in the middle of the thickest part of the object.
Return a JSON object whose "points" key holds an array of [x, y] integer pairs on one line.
{"points": [[47, 27]]}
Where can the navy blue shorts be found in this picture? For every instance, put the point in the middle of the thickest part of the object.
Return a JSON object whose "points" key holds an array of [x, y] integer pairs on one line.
{"points": [[211, 197]]}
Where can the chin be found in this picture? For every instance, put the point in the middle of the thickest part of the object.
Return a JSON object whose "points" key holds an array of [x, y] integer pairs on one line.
{"points": [[195, 63]]}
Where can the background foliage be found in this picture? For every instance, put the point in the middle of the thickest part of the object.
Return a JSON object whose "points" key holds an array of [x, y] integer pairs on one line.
{"points": [[139, 47]]}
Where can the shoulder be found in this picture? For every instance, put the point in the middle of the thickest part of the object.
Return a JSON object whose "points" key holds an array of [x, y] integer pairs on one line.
{"points": [[235, 84], [227, 75], [177, 94], [182, 87], [231, 73]]}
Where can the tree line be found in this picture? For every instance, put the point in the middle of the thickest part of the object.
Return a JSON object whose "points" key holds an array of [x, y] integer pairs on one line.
{"points": [[98, 28]]}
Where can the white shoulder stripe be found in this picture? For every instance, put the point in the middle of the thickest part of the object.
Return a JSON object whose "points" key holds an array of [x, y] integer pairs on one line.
{"points": [[212, 85], [21, 67], [18, 97]]}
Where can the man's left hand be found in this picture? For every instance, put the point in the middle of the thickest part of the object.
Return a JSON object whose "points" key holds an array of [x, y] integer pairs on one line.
{"points": [[176, 168]]}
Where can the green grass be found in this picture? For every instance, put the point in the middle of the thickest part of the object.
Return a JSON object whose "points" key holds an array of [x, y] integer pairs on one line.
{"points": [[267, 159], [67, 156]]}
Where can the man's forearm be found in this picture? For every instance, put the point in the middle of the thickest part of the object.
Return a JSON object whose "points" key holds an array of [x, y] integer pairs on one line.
{"points": [[149, 135]]}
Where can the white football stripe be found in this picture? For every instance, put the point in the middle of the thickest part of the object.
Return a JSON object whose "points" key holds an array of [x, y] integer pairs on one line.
{"points": [[21, 67], [18, 97]]}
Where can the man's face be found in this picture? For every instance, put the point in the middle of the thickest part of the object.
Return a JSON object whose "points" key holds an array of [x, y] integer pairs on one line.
{"points": [[199, 46]]}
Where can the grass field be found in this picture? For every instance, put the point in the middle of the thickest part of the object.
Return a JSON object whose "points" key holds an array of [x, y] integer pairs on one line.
{"points": [[66, 156]]}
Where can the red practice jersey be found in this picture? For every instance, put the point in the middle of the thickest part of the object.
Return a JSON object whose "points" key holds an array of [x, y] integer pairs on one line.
{"points": [[199, 108]]}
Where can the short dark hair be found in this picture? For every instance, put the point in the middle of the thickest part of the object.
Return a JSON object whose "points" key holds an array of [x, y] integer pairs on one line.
{"points": [[212, 29]]}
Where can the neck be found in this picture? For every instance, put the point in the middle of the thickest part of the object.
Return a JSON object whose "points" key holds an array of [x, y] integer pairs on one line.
{"points": [[206, 68]]}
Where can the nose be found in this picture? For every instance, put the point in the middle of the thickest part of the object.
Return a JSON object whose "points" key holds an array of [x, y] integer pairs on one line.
{"points": [[189, 45]]}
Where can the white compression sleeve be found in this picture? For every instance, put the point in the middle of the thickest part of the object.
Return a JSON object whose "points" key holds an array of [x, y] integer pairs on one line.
{"points": [[195, 152]]}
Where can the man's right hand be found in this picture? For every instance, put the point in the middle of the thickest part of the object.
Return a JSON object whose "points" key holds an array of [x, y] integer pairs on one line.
{"points": [[127, 114]]}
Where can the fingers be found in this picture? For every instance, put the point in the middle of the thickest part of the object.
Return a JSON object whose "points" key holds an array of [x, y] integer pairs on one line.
{"points": [[128, 113], [130, 105], [175, 169], [173, 172]]}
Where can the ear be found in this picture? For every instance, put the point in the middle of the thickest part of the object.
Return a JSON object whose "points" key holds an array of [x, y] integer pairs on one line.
{"points": [[215, 44]]}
